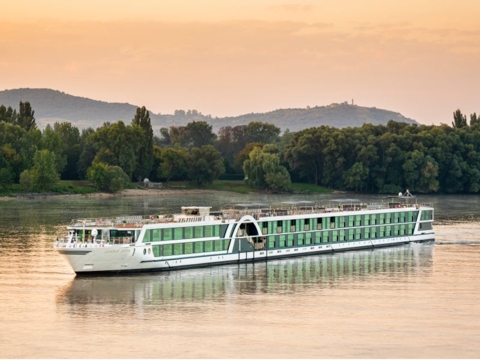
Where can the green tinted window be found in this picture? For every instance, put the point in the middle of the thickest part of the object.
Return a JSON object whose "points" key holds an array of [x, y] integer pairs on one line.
{"points": [[198, 247], [156, 250], [198, 232], [177, 233], [177, 249], [148, 236], [167, 234], [188, 232], [188, 248], [167, 250], [156, 235], [271, 242], [208, 246]]}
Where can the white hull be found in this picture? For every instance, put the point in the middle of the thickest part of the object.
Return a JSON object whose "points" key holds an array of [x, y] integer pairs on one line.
{"points": [[133, 258]]}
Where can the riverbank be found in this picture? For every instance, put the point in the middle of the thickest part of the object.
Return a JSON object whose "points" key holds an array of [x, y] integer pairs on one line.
{"points": [[126, 192]]}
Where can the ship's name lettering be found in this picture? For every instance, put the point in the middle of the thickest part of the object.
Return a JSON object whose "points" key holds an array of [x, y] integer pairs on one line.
{"points": [[116, 251]]}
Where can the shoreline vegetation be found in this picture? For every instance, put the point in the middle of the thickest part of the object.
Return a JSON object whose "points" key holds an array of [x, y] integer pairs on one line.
{"points": [[83, 189]]}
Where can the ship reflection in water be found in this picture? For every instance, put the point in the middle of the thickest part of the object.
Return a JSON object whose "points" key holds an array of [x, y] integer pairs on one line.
{"points": [[223, 283]]}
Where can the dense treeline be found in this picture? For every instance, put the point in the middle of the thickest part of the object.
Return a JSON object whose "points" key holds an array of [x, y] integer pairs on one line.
{"points": [[372, 158]]}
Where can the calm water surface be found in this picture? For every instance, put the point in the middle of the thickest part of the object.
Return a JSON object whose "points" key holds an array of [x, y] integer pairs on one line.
{"points": [[416, 301]]}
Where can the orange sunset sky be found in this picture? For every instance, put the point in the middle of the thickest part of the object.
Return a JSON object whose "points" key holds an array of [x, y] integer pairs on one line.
{"points": [[224, 57]]}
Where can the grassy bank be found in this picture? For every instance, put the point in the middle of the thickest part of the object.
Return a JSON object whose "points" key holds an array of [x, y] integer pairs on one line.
{"points": [[239, 186]]}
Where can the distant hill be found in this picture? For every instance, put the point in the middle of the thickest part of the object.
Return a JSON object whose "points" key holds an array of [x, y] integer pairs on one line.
{"points": [[51, 106]]}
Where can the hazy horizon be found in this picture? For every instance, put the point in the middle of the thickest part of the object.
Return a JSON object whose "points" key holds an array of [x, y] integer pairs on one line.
{"points": [[226, 58]]}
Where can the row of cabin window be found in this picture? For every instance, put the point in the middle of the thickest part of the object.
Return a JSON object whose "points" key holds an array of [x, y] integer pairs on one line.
{"points": [[289, 240], [426, 215], [335, 222], [332, 236], [198, 247], [188, 232]]}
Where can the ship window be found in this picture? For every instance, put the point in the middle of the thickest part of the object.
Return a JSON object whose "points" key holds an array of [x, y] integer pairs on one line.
{"points": [[332, 223], [156, 250], [271, 242], [358, 234], [308, 238], [167, 250], [367, 233], [188, 248], [351, 235], [208, 246], [209, 231], [300, 239], [306, 224], [319, 224], [388, 218], [188, 232], [325, 236], [198, 232], [367, 220], [292, 226], [147, 237], [382, 232], [177, 249], [218, 245], [283, 240], [290, 240], [156, 235], [373, 234], [388, 230], [374, 219], [223, 231], [335, 235], [198, 247], [342, 235], [167, 234], [226, 244], [177, 233], [358, 220]]}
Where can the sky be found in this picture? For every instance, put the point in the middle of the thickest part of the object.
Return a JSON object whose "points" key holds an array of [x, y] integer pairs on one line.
{"points": [[224, 58]]}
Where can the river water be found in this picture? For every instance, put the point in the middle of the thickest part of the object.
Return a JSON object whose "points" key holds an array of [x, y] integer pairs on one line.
{"points": [[415, 301]]}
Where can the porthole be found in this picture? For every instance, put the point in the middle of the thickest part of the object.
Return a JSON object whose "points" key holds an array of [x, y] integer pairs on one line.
{"points": [[149, 251], [144, 251]]}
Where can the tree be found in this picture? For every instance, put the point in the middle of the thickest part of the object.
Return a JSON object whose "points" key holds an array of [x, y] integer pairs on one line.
{"points": [[199, 133], [206, 164], [25, 117], [6, 177], [262, 132], [27, 181], [174, 163], [72, 148], [356, 176], [53, 142], [145, 151], [459, 120], [263, 170], [44, 170], [243, 155], [107, 178]]}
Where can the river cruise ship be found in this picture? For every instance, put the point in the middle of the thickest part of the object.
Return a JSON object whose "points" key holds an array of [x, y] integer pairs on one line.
{"points": [[198, 236]]}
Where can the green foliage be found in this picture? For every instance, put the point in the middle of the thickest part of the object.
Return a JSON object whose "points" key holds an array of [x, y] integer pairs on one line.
{"points": [[44, 170], [145, 150], [263, 169], [6, 177], [206, 164], [107, 178], [459, 120], [25, 118], [174, 164], [27, 180]]}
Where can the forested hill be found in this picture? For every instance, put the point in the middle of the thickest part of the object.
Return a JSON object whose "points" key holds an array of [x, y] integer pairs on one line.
{"points": [[51, 106]]}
